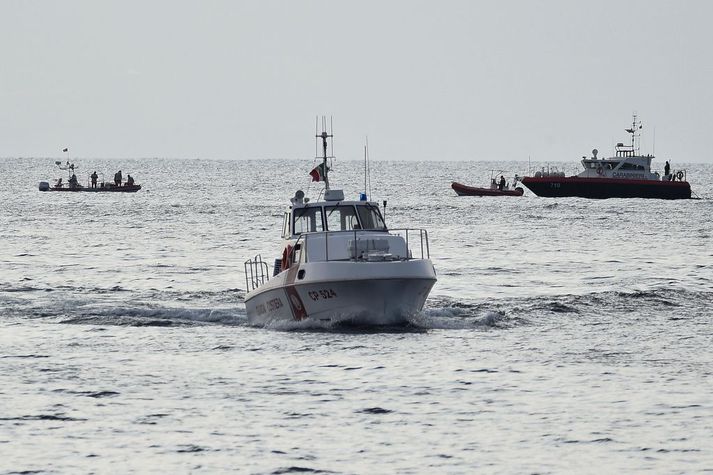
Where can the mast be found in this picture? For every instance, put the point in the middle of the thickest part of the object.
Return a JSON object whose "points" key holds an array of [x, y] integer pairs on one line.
{"points": [[324, 136], [365, 170], [635, 126]]}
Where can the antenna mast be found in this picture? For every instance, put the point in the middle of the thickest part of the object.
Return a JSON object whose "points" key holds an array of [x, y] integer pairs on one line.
{"points": [[365, 169], [368, 165], [635, 126], [324, 136]]}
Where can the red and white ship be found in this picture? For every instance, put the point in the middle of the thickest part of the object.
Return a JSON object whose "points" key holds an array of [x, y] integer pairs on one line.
{"points": [[625, 175], [340, 263]]}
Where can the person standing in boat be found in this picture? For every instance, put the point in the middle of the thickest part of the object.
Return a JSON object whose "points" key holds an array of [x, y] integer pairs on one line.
{"points": [[667, 171], [501, 187], [73, 181], [117, 178], [129, 180], [94, 177]]}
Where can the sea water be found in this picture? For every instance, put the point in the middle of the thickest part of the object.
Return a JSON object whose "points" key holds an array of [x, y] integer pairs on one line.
{"points": [[563, 335]]}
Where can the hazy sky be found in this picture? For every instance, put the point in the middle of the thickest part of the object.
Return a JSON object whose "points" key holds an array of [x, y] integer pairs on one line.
{"points": [[447, 80]]}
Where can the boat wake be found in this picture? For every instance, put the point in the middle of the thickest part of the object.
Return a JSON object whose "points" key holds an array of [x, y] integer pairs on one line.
{"points": [[171, 308], [447, 319], [123, 307], [442, 314], [155, 316], [342, 327]]}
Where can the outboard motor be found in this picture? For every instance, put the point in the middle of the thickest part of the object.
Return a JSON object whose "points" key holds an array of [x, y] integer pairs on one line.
{"points": [[44, 186]]}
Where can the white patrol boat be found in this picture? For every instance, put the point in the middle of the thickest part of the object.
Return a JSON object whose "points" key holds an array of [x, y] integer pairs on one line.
{"points": [[340, 264]]}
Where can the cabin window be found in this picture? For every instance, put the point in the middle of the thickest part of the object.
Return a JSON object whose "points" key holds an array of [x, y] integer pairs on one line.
{"points": [[308, 220], [341, 218], [370, 218], [631, 166], [286, 226]]}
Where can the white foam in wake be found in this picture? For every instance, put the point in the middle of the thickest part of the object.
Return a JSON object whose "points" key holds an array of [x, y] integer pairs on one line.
{"points": [[450, 318]]}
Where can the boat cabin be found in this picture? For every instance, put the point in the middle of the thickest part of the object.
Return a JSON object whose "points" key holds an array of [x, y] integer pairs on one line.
{"points": [[340, 230], [332, 216], [627, 161], [625, 164]]}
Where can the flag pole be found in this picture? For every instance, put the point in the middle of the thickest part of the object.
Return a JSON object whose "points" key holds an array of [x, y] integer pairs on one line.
{"points": [[365, 171]]}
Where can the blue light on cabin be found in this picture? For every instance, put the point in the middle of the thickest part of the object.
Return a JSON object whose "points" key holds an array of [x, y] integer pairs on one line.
{"points": [[362, 196]]}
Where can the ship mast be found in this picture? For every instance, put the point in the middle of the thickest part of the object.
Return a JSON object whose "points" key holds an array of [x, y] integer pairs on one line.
{"points": [[635, 126], [324, 136]]}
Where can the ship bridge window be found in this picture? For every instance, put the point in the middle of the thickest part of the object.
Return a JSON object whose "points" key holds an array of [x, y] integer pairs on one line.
{"points": [[308, 220], [341, 218], [631, 166], [370, 217]]}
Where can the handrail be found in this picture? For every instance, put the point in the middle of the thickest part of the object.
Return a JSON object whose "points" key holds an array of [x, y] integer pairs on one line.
{"points": [[258, 272], [359, 234], [673, 176]]}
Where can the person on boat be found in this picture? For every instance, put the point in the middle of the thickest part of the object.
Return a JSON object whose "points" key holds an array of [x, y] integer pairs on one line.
{"points": [[73, 181], [493, 184], [501, 187], [94, 178], [117, 178], [129, 180], [667, 171]]}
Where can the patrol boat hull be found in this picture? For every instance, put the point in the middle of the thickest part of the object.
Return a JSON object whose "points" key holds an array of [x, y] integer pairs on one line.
{"points": [[384, 293], [555, 186]]}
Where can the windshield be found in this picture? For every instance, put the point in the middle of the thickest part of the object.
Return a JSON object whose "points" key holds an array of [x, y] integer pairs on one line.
{"points": [[308, 220], [370, 217], [341, 218]]}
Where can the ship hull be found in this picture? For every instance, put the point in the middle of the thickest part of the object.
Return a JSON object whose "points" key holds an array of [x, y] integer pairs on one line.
{"points": [[354, 293], [102, 189], [601, 188], [464, 190]]}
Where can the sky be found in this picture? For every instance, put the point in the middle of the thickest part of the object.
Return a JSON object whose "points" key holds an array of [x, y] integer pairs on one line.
{"points": [[446, 80]]}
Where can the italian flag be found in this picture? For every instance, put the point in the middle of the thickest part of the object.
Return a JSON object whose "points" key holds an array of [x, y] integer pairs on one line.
{"points": [[317, 172]]}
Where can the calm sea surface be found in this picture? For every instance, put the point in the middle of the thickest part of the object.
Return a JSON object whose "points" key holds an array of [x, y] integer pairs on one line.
{"points": [[563, 335]]}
